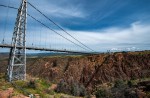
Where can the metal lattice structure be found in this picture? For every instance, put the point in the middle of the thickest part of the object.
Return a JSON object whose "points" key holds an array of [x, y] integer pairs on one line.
{"points": [[17, 58]]}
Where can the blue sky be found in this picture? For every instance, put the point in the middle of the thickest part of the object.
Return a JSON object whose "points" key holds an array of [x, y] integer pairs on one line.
{"points": [[100, 24]]}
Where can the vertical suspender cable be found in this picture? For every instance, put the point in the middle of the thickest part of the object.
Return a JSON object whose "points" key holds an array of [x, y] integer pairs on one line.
{"points": [[45, 40], [33, 39], [61, 28], [4, 34], [40, 35]]}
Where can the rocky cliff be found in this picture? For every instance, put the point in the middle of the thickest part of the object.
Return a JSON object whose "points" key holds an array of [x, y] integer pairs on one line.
{"points": [[92, 70]]}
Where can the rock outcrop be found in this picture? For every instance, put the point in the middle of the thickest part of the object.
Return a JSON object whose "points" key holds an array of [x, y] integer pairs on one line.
{"points": [[92, 70]]}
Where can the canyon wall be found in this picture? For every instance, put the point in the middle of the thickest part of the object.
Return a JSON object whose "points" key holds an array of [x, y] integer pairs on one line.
{"points": [[92, 70]]}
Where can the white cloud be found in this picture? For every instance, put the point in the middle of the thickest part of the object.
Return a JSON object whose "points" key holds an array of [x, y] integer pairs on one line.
{"points": [[60, 10], [137, 35], [115, 38]]}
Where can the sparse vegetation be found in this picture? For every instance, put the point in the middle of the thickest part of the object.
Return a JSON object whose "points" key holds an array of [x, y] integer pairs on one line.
{"points": [[131, 65], [101, 93], [73, 88], [34, 86], [119, 84]]}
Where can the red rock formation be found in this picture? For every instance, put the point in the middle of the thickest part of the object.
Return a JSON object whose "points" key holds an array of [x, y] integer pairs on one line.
{"points": [[92, 70]]}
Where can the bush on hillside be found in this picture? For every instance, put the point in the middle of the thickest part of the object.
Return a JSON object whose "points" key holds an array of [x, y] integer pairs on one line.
{"points": [[31, 84], [101, 93], [73, 88], [119, 84]]}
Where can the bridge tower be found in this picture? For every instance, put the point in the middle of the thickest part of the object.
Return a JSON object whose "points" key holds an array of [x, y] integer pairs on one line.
{"points": [[17, 58]]}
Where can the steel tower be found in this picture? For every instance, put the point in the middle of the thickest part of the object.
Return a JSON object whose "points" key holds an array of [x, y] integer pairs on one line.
{"points": [[17, 58]]}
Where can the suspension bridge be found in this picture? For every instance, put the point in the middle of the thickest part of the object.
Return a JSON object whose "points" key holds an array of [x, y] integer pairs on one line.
{"points": [[39, 34]]}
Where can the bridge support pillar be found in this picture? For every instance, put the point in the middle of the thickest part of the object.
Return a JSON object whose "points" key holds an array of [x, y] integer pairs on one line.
{"points": [[17, 58]]}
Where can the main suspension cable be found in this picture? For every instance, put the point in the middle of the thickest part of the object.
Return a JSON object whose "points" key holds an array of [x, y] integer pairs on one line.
{"points": [[47, 27], [55, 31], [59, 27]]}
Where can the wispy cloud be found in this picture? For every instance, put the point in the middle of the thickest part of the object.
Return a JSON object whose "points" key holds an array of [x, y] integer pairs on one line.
{"points": [[63, 9], [137, 35], [102, 24]]}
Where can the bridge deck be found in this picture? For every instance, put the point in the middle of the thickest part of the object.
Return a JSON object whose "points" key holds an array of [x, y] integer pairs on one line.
{"points": [[43, 49]]}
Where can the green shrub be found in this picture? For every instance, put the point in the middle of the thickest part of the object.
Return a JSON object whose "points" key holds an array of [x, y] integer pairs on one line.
{"points": [[78, 90], [74, 89], [119, 84], [31, 84], [62, 87], [130, 83], [101, 93], [148, 94]]}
